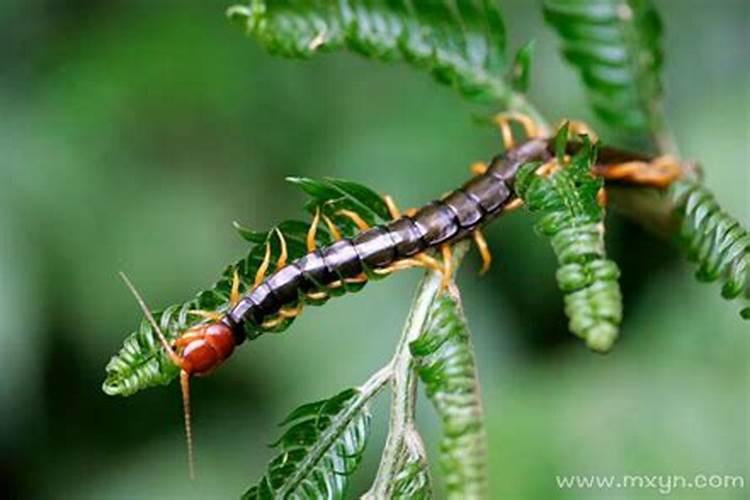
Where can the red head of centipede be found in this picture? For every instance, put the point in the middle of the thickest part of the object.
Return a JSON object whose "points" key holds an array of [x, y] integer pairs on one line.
{"points": [[205, 347]]}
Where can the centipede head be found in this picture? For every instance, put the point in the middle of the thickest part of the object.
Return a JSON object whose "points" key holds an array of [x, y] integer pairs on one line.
{"points": [[177, 359]]}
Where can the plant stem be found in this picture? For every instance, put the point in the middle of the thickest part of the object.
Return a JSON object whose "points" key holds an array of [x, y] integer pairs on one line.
{"points": [[367, 391], [404, 378]]}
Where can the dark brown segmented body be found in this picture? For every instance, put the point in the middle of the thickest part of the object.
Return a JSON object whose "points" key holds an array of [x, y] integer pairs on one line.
{"points": [[446, 220]]}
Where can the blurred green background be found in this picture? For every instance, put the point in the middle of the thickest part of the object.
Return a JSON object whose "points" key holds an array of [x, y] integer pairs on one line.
{"points": [[132, 133]]}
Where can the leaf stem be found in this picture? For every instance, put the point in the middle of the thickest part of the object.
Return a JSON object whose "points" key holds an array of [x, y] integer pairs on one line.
{"points": [[338, 425], [404, 379]]}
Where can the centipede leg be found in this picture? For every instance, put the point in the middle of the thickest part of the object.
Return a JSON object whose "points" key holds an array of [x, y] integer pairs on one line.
{"points": [[399, 265], [335, 233], [478, 168], [578, 127], [504, 120], [513, 205], [234, 294], [358, 221], [659, 173], [260, 274], [210, 315], [548, 168], [484, 251], [187, 337], [312, 232], [394, 210], [317, 295], [447, 270], [283, 253], [291, 312]]}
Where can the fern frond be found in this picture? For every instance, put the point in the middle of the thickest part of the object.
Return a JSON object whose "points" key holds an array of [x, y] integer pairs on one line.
{"points": [[461, 43], [615, 44], [412, 477], [322, 447], [571, 217], [444, 360], [141, 362], [714, 240]]}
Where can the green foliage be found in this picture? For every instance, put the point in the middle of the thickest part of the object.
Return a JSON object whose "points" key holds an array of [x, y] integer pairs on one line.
{"points": [[444, 360], [521, 73], [615, 44], [142, 363], [573, 220], [461, 44], [715, 240], [321, 448], [412, 479]]}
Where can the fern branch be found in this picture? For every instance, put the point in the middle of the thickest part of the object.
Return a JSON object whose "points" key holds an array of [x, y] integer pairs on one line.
{"points": [[323, 446], [444, 360], [571, 217], [714, 240], [616, 46], [462, 44], [403, 447]]}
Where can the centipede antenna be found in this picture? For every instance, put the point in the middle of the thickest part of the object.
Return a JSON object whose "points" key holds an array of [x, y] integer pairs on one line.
{"points": [[147, 312], [184, 375], [185, 386]]}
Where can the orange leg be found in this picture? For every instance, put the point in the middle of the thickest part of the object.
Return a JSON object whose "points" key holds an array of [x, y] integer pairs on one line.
{"points": [[291, 312], [447, 270], [548, 168], [283, 254], [317, 295], [361, 224], [234, 294], [189, 336], [210, 315], [577, 127], [335, 233], [478, 168], [659, 173], [312, 232], [513, 205], [399, 265], [504, 121], [392, 207], [260, 274], [484, 251]]}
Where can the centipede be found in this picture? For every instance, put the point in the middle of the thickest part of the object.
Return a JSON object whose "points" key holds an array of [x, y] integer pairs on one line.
{"points": [[419, 238]]}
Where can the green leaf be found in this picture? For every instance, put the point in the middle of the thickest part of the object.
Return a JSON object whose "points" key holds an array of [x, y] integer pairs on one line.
{"points": [[714, 240], [444, 360], [569, 214], [461, 44], [616, 46], [521, 73], [321, 448], [141, 362]]}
